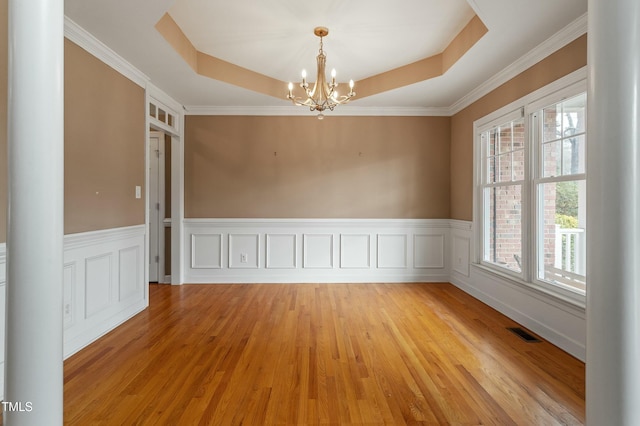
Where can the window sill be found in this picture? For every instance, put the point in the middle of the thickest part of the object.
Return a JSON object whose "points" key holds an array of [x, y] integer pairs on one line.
{"points": [[549, 292]]}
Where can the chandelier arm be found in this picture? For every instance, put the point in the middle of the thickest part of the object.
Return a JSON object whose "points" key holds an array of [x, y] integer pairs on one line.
{"points": [[330, 103], [298, 101]]}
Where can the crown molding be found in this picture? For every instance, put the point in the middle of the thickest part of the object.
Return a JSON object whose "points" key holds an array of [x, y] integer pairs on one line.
{"points": [[577, 28], [557, 41], [560, 39], [161, 96], [342, 111], [88, 42]]}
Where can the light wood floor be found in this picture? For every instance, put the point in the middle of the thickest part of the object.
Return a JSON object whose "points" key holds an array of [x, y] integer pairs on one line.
{"points": [[347, 354]]}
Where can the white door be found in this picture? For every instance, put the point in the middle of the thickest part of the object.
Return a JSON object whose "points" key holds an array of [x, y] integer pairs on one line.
{"points": [[156, 208]]}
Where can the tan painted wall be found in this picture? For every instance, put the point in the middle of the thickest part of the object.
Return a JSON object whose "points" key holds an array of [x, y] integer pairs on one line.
{"points": [[3, 121], [231, 169], [566, 60], [104, 142], [300, 167], [104, 145]]}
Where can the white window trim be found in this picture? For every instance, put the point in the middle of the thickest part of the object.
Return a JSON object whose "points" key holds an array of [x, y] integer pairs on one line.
{"points": [[565, 87], [553, 98], [481, 185]]}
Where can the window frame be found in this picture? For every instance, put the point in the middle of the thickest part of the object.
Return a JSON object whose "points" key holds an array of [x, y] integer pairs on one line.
{"points": [[538, 178], [567, 87], [482, 185]]}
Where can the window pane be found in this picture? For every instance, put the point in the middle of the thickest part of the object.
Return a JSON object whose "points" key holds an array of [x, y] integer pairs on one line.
{"points": [[552, 123], [518, 165], [565, 123], [505, 154], [504, 167], [552, 159], [504, 225], [491, 168], [562, 237], [518, 135], [511, 136], [573, 155], [505, 138], [492, 141], [574, 115]]}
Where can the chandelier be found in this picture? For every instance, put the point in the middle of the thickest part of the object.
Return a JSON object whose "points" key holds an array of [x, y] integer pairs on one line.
{"points": [[323, 95]]}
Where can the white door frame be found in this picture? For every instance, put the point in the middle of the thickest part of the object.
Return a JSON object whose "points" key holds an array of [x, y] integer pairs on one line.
{"points": [[175, 129]]}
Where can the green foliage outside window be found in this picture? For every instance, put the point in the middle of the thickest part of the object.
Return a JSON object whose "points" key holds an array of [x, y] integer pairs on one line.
{"points": [[566, 222], [567, 204]]}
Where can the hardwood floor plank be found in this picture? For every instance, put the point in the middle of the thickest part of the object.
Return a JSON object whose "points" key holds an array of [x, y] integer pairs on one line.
{"points": [[344, 354]]}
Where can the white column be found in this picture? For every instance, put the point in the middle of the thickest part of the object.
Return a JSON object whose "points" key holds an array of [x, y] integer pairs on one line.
{"points": [[613, 218], [34, 358]]}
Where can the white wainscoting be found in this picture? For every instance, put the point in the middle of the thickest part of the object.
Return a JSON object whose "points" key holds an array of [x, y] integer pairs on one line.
{"points": [[316, 250], [559, 322], [103, 281]]}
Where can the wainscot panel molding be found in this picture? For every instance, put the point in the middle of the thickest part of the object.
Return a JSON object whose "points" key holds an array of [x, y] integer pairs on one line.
{"points": [[559, 322], [316, 250], [103, 283]]}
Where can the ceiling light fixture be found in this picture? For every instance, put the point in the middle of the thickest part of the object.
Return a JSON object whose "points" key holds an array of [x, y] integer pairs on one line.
{"points": [[323, 95]]}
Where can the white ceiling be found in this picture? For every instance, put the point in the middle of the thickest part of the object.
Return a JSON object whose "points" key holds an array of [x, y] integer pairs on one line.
{"points": [[276, 38], [366, 37]]}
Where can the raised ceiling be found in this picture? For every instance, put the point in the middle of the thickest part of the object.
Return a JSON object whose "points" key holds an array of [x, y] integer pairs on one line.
{"points": [[367, 38], [275, 38]]}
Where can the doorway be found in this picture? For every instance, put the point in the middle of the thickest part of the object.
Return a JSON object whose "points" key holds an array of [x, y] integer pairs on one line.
{"points": [[164, 189]]}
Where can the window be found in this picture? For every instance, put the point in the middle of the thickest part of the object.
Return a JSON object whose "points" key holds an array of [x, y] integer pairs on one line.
{"points": [[560, 185], [503, 179], [531, 190], [161, 117]]}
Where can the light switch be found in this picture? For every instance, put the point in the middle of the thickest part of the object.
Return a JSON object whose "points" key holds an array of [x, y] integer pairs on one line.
{"points": [[138, 191]]}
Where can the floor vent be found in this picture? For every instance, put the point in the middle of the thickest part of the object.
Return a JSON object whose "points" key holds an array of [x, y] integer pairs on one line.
{"points": [[524, 335]]}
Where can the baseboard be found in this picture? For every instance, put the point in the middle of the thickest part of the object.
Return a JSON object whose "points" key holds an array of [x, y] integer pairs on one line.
{"points": [[320, 278], [80, 341], [560, 324]]}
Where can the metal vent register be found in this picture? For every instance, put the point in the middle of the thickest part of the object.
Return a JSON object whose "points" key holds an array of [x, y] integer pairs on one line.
{"points": [[524, 334]]}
